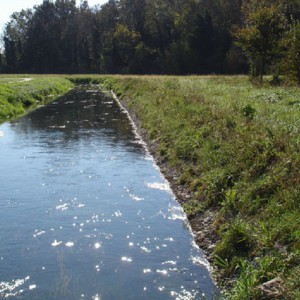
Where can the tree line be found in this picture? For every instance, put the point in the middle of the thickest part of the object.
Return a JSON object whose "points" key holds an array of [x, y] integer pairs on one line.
{"points": [[155, 36]]}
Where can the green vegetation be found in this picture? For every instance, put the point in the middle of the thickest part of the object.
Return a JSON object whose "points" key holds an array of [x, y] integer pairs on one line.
{"points": [[19, 94], [232, 146], [261, 33], [235, 147]]}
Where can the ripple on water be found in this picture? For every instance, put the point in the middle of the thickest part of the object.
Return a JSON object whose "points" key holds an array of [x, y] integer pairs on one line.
{"points": [[176, 213], [132, 195], [56, 243], [126, 259], [117, 214], [69, 244], [97, 297], [12, 288], [197, 260], [158, 186], [97, 245], [169, 262], [97, 268], [73, 203], [62, 207], [38, 233], [162, 272], [145, 249], [32, 287], [186, 295]]}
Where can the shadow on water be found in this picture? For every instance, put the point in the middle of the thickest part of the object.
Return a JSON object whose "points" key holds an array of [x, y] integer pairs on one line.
{"points": [[86, 214]]}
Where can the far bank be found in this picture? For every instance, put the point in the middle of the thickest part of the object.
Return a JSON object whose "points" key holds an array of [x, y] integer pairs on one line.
{"points": [[21, 93]]}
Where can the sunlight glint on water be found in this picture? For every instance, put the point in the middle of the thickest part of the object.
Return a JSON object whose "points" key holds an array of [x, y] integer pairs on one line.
{"points": [[85, 212]]}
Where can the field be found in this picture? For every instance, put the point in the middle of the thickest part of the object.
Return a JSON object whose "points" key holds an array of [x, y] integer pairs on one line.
{"points": [[230, 149]]}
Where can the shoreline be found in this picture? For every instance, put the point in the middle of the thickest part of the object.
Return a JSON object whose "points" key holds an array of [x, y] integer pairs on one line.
{"points": [[227, 169], [202, 223]]}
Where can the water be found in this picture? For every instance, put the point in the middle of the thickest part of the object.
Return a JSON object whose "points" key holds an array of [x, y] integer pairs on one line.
{"points": [[86, 214]]}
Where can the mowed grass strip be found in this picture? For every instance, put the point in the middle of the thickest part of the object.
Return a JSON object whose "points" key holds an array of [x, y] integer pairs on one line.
{"points": [[236, 148], [20, 93]]}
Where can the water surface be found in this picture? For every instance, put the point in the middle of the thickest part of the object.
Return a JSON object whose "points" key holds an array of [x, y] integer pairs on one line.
{"points": [[86, 214]]}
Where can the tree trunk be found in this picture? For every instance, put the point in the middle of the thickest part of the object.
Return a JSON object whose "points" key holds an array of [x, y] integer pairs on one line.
{"points": [[262, 69]]}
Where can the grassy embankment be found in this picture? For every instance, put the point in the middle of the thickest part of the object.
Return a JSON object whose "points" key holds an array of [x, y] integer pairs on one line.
{"points": [[234, 149], [18, 95]]}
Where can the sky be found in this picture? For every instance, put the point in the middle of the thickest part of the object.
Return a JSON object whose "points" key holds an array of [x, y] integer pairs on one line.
{"points": [[7, 7]]}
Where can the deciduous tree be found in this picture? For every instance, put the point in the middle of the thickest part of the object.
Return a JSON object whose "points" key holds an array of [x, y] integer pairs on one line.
{"points": [[260, 34], [291, 60]]}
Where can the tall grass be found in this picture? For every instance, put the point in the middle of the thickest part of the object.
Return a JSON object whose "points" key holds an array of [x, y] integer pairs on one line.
{"points": [[236, 148]]}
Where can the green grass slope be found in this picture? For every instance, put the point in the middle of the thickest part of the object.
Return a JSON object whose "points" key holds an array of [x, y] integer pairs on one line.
{"points": [[235, 149], [18, 94]]}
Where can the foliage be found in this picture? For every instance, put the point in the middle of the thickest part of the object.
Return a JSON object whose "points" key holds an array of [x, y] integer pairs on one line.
{"points": [[291, 61], [124, 43], [236, 240], [151, 36], [251, 275], [121, 36], [260, 35], [248, 111], [192, 208]]}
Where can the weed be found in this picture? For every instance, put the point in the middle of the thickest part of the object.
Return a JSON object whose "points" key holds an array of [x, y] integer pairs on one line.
{"points": [[192, 207], [293, 283], [252, 274], [249, 112], [221, 262], [266, 236], [229, 202], [237, 240]]}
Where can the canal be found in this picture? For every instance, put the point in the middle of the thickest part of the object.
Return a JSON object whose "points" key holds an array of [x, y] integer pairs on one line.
{"points": [[85, 212]]}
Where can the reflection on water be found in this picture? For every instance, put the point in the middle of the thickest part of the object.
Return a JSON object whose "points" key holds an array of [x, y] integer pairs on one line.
{"points": [[86, 214]]}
